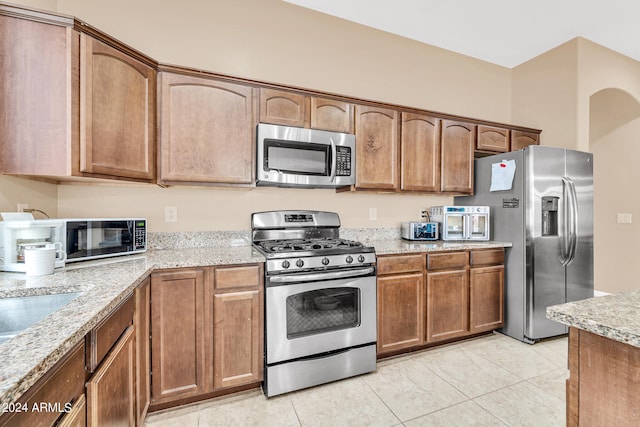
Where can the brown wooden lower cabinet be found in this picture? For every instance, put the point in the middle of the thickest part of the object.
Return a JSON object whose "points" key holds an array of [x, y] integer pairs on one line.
{"points": [[430, 298], [111, 396], [486, 298], [177, 334], [206, 331], [237, 338], [77, 416], [400, 312], [142, 323], [59, 388], [447, 304], [603, 388]]}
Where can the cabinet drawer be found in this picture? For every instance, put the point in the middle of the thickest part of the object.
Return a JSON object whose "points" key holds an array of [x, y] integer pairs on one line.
{"points": [[400, 264], [248, 276], [487, 257], [63, 384], [447, 260], [103, 337]]}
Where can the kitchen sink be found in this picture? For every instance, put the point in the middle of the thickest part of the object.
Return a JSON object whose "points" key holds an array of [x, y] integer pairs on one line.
{"points": [[17, 314]]}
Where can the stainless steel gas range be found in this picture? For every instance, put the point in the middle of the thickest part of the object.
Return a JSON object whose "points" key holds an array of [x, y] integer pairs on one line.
{"points": [[320, 301]]}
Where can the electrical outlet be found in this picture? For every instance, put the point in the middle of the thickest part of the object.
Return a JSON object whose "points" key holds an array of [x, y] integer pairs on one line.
{"points": [[373, 214], [623, 218], [22, 207], [170, 214], [422, 214]]}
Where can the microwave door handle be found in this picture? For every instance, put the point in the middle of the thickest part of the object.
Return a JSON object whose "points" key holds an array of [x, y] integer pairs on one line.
{"points": [[334, 159]]}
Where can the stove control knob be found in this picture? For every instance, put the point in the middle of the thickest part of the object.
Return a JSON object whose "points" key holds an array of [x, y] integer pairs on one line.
{"points": [[349, 259], [299, 263], [325, 261], [285, 264], [361, 258]]}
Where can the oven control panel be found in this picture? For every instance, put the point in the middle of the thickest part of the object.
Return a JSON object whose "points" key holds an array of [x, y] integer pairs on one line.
{"points": [[292, 264]]}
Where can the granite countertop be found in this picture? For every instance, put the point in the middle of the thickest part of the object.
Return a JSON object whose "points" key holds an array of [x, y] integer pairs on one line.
{"points": [[614, 316], [103, 284]]}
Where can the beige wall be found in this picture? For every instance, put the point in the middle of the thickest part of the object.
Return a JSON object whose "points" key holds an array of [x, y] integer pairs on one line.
{"points": [[544, 95], [38, 195], [609, 115], [220, 209]]}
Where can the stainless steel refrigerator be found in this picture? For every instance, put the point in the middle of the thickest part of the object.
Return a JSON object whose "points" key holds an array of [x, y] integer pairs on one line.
{"points": [[547, 213]]}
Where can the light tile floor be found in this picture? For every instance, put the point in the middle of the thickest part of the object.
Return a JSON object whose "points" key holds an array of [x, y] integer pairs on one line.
{"points": [[488, 381]]}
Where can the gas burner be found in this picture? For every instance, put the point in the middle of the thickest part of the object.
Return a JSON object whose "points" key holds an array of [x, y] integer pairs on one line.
{"points": [[313, 244], [307, 245]]}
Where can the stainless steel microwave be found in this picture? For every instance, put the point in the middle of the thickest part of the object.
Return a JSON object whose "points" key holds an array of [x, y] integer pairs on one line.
{"points": [[298, 157], [104, 237]]}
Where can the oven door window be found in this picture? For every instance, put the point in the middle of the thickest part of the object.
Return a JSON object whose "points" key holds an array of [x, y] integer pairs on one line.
{"points": [[300, 158], [323, 310]]}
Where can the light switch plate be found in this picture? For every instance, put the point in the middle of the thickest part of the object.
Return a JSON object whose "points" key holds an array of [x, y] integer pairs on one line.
{"points": [[170, 214]]}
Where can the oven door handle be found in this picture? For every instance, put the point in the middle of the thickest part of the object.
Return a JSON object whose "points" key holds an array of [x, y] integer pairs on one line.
{"points": [[321, 276]]}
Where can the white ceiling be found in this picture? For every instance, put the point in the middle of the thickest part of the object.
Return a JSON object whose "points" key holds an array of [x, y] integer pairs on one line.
{"points": [[503, 32]]}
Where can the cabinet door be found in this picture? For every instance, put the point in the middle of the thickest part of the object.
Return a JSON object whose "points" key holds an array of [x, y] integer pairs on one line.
{"points": [[400, 312], [376, 148], [457, 146], [37, 90], [331, 115], [237, 338], [420, 152], [142, 323], [62, 385], [520, 139], [111, 391], [491, 138], [117, 113], [77, 416], [486, 293], [284, 108], [447, 304], [207, 131], [177, 341]]}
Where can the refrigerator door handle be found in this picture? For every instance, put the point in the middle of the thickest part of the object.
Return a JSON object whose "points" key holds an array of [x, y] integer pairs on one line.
{"points": [[570, 240]]}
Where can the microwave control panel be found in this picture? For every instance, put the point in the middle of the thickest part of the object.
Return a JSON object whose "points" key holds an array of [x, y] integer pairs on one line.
{"points": [[343, 161], [140, 235]]}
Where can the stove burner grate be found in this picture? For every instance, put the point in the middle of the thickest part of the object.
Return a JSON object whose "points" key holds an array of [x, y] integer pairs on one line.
{"points": [[295, 245]]}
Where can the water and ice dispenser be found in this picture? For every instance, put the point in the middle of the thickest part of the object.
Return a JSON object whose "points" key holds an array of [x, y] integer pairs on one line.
{"points": [[550, 215]]}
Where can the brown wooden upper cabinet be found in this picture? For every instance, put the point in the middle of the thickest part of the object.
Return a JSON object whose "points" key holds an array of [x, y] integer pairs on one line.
{"points": [[207, 131], [491, 138], [78, 107], [295, 109], [521, 139], [457, 147], [117, 113], [420, 153], [376, 148]]}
